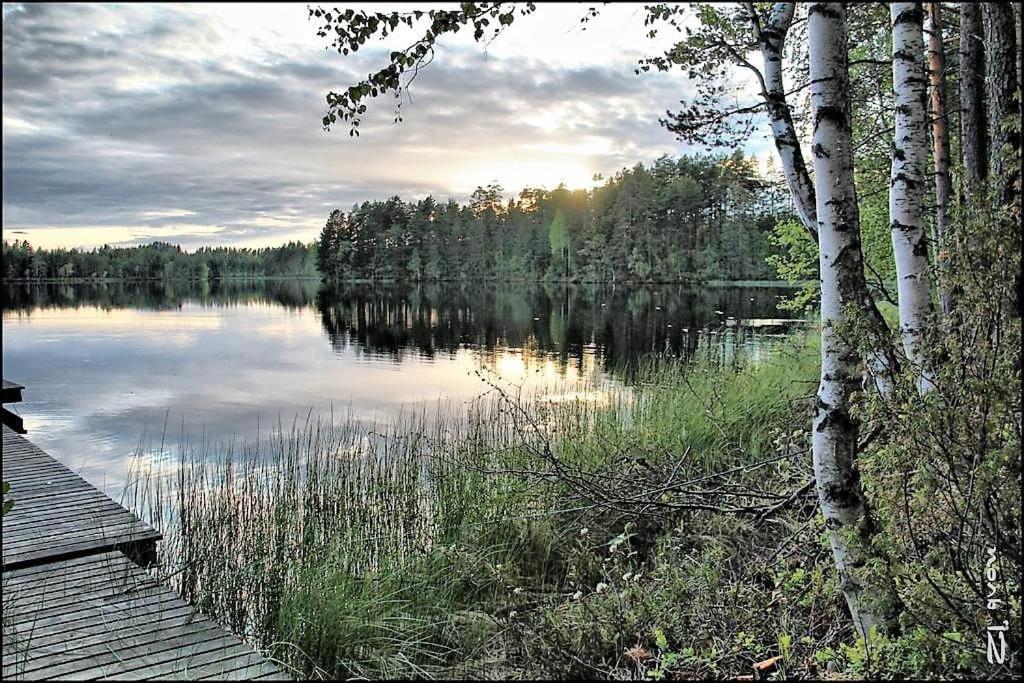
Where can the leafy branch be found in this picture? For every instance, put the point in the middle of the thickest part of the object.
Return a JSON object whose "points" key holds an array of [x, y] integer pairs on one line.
{"points": [[350, 30]]}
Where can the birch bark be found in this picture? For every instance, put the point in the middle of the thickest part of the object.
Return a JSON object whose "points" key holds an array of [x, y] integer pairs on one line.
{"points": [[771, 39], [907, 183], [843, 287], [881, 362]]}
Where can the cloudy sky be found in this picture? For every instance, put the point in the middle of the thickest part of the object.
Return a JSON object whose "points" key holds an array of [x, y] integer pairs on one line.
{"points": [[201, 124]]}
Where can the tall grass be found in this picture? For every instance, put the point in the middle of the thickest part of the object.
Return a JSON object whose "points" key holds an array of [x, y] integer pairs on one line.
{"points": [[406, 550]]}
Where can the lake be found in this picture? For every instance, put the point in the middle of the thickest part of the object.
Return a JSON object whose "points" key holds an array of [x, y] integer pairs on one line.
{"points": [[106, 367]]}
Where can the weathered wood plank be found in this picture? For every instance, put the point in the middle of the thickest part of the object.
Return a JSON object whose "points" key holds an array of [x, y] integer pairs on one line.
{"points": [[94, 578], [215, 662], [28, 573], [65, 623], [74, 650], [68, 607], [73, 518], [76, 608], [259, 671], [68, 550], [57, 514], [88, 633], [11, 392], [126, 659], [124, 653], [80, 581], [31, 501], [103, 616], [103, 532]]}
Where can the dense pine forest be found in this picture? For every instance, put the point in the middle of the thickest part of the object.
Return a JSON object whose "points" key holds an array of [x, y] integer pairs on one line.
{"points": [[687, 219]]}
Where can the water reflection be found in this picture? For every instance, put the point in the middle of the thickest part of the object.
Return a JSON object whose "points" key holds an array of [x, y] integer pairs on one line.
{"points": [[290, 293], [108, 365], [570, 323]]}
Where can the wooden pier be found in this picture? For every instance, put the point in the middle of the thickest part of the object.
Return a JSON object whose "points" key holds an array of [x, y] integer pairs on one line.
{"points": [[11, 393], [57, 515], [77, 605]]}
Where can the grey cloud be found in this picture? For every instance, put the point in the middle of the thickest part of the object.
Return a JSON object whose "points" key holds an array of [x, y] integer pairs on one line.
{"points": [[238, 142]]}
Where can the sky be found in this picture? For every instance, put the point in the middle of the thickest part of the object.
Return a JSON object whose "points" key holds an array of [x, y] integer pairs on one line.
{"points": [[201, 124]]}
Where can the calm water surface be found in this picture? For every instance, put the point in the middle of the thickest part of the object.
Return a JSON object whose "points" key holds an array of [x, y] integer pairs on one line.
{"points": [[106, 367]]}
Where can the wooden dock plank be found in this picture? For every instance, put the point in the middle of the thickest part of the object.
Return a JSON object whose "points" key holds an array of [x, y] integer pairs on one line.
{"points": [[101, 519], [77, 608], [102, 632], [26, 575], [11, 392], [131, 655], [62, 608], [82, 650], [61, 514], [112, 619], [71, 533], [216, 663], [64, 622], [78, 499]]}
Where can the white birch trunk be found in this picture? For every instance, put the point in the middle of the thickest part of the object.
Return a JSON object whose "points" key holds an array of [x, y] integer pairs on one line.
{"points": [[834, 438], [907, 185], [771, 40], [881, 364]]}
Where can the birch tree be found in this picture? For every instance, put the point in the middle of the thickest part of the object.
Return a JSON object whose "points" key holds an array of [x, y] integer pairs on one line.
{"points": [[722, 40], [907, 183], [940, 143], [843, 288], [771, 38]]}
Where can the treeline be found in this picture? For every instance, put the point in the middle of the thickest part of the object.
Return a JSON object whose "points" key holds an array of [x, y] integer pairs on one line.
{"points": [[685, 219], [156, 261], [688, 219]]}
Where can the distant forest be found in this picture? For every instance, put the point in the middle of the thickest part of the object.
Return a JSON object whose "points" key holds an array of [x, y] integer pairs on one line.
{"points": [[683, 219], [686, 219], [156, 261]]}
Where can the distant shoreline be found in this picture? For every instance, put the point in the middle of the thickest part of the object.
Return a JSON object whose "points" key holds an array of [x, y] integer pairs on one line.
{"points": [[118, 280], [780, 284]]}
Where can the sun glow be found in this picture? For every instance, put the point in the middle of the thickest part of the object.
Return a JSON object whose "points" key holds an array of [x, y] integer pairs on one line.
{"points": [[516, 174]]}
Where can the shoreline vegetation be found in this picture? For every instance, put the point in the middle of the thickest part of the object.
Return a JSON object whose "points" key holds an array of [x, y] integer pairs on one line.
{"points": [[522, 536], [667, 528]]}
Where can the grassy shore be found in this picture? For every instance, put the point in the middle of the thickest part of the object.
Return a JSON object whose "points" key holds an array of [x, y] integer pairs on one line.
{"points": [[665, 530]]}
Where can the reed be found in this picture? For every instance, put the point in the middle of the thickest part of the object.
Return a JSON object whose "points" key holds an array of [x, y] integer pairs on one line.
{"points": [[396, 550]]}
